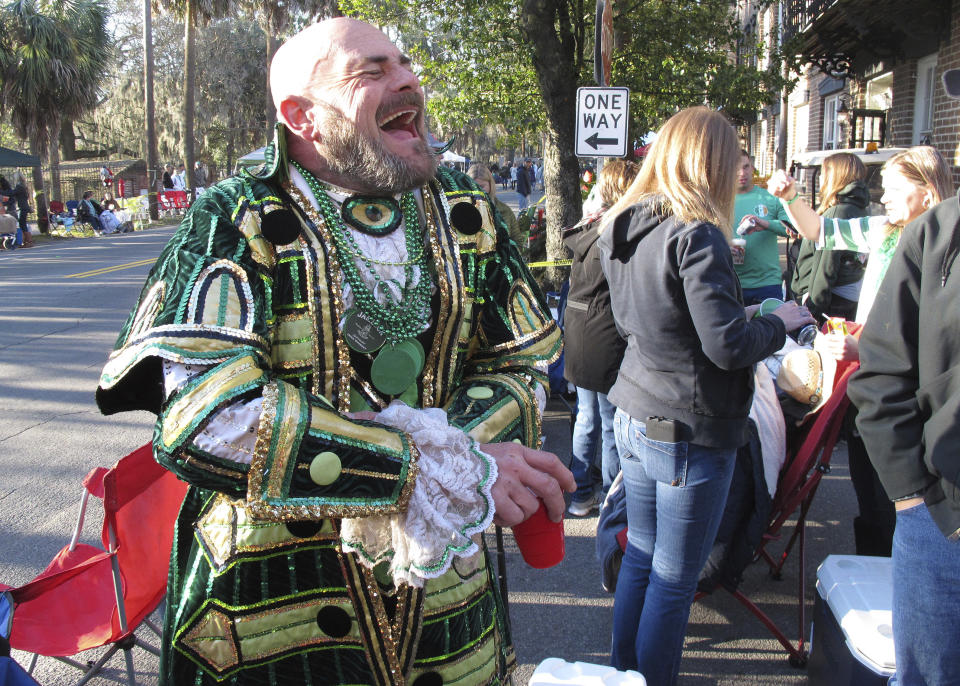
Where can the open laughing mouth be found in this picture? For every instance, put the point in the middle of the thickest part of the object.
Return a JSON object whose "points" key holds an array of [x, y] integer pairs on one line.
{"points": [[401, 124]]}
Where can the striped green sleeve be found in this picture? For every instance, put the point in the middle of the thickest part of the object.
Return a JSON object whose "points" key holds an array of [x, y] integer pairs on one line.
{"points": [[849, 234]]}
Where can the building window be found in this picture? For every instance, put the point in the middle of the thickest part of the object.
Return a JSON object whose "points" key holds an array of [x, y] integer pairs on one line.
{"points": [[880, 92], [923, 101], [831, 124], [801, 125]]}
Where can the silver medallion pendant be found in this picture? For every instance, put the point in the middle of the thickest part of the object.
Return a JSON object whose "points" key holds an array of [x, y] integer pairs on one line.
{"points": [[361, 334]]}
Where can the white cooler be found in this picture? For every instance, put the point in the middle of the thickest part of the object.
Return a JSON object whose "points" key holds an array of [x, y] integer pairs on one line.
{"points": [[556, 672], [851, 641]]}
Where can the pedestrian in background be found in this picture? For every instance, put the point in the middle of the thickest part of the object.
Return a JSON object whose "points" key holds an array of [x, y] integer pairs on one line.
{"points": [[524, 185], [484, 180], [685, 385], [593, 348], [828, 281], [20, 194], [168, 177], [759, 220]]}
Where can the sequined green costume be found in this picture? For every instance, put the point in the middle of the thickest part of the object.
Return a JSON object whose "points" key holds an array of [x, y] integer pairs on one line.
{"points": [[260, 590]]}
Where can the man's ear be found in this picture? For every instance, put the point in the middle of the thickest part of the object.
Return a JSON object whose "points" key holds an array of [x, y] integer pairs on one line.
{"points": [[294, 112]]}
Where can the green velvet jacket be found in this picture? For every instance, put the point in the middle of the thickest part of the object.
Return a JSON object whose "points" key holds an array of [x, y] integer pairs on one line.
{"points": [[260, 590]]}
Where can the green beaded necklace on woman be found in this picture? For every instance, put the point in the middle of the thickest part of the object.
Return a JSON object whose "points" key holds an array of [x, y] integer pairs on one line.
{"points": [[388, 328]]}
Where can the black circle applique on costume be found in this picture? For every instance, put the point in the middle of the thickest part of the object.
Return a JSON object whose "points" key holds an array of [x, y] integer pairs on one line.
{"points": [[334, 621], [280, 227], [304, 528], [466, 218]]}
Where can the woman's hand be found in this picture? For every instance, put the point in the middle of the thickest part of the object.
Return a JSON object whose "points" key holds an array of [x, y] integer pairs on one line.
{"points": [[782, 185], [802, 216], [793, 315], [842, 348], [750, 310]]}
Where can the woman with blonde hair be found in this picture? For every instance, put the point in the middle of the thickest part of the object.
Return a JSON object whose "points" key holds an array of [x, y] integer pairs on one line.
{"points": [[482, 176], [685, 385], [828, 281], [592, 348], [913, 181]]}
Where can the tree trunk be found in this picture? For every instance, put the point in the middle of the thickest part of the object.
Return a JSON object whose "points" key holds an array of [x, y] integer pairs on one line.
{"points": [[54, 158], [553, 54], [68, 141], [781, 151], [190, 68], [38, 197], [148, 108], [270, 111]]}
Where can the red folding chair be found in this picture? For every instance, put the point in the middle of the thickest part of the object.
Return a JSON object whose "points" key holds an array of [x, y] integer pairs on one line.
{"points": [[180, 201], [165, 203], [797, 486], [89, 597]]}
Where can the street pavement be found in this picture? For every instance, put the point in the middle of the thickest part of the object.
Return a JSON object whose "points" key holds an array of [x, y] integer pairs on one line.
{"points": [[63, 303]]}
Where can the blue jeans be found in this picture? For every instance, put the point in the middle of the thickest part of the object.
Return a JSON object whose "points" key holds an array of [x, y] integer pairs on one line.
{"points": [[676, 493], [926, 602], [593, 429], [755, 296]]}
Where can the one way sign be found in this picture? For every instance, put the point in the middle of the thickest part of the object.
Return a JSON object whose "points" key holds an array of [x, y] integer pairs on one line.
{"points": [[602, 116]]}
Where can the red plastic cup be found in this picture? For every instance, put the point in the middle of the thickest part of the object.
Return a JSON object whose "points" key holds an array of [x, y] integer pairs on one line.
{"points": [[540, 540]]}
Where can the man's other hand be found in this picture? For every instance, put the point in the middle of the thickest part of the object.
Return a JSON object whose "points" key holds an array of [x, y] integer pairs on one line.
{"points": [[527, 476]]}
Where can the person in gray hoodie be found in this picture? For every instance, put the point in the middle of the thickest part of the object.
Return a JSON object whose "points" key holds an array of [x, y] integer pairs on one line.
{"points": [[685, 385]]}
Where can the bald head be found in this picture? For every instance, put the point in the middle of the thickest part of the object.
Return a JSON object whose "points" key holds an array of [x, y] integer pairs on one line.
{"points": [[300, 61], [352, 106]]}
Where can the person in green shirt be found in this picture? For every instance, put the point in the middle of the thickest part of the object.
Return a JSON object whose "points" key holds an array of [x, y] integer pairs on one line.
{"points": [[758, 218]]}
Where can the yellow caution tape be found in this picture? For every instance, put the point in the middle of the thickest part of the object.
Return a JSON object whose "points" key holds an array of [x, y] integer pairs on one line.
{"points": [[554, 263]]}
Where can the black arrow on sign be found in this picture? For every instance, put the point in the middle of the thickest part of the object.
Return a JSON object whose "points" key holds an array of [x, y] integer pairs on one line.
{"points": [[593, 141]]}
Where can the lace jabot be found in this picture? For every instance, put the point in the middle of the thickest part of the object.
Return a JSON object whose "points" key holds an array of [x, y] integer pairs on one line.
{"points": [[450, 506]]}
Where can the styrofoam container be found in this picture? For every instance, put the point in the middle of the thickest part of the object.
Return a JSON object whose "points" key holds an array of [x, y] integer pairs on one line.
{"points": [[556, 672], [859, 592]]}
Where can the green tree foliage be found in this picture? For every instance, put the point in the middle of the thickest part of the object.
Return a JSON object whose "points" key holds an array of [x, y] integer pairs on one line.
{"points": [[515, 65], [229, 104], [673, 54], [52, 59]]}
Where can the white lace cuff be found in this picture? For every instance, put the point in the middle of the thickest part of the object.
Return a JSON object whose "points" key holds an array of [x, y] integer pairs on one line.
{"points": [[451, 502]]}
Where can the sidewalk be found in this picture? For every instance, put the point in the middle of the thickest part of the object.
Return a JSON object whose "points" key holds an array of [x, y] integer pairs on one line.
{"points": [[563, 611]]}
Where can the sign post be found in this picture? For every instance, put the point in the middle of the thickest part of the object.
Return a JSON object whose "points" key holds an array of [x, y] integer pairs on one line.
{"points": [[602, 122]]}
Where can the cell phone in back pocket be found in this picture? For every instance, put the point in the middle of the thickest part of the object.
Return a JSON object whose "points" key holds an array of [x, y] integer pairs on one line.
{"points": [[663, 430]]}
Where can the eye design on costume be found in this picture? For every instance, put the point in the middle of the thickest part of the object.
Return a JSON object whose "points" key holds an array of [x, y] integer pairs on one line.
{"points": [[373, 216]]}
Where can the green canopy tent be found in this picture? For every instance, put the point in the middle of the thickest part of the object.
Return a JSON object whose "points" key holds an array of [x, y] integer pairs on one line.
{"points": [[12, 158]]}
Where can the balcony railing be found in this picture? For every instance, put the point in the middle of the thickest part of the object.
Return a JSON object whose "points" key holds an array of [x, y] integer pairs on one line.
{"points": [[801, 13], [844, 37]]}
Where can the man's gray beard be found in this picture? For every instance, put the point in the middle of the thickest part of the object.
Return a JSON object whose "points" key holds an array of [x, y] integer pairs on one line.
{"points": [[365, 164]]}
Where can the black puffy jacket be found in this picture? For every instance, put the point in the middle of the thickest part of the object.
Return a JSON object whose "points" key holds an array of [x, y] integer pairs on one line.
{"points": [[592, 348]]}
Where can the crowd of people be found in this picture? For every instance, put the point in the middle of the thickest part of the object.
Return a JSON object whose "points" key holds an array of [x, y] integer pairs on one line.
{"points": [[16, 202], [346, 354]]}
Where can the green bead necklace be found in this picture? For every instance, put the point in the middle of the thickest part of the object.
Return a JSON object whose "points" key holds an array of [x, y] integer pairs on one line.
{"points": [[389, 328]]}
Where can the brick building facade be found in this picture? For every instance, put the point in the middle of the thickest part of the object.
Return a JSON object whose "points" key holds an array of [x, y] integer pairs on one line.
{"points": [[892, 88]]}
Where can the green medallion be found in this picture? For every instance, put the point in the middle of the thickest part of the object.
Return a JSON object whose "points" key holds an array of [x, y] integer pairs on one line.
{"points": [[412, 345], [361, 334], [394, 369]]}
